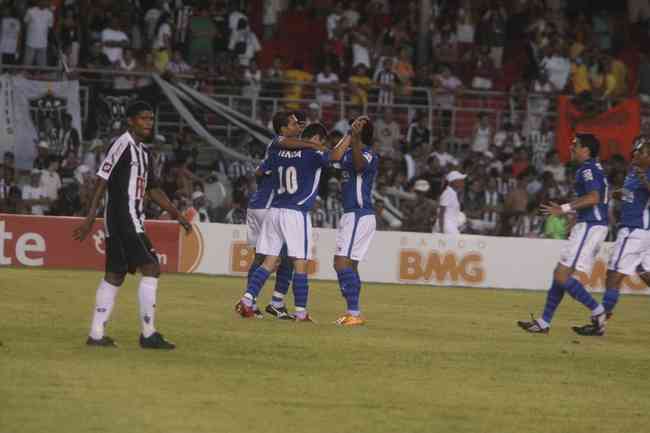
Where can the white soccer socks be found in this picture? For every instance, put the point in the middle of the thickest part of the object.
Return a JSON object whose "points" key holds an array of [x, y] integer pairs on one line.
{"points": [[147, 299], [104, 301]]}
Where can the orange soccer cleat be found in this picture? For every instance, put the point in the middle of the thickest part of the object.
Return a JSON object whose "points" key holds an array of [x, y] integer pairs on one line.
{"points": [[349, 320]]}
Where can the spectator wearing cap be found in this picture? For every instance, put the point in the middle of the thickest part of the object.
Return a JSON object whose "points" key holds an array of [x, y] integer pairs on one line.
{"points": [[41, 161], [450, 217], [34, 195], [420, 214]]}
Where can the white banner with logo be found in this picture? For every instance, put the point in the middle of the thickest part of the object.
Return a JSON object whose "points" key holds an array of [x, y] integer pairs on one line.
{"points": [[42, 109], [412, 258]]}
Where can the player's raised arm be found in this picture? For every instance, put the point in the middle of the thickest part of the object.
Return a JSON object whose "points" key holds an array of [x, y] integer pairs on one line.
{"points": [[359, 161], [82, 231], [341, 147], [292, 143], [160, 197]]}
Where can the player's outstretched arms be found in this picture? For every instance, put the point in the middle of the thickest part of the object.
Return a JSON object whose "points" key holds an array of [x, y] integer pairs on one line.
{"points": [[160, 197], [587, 200], [84, 229]]}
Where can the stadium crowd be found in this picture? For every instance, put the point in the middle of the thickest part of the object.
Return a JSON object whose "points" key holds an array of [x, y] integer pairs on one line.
{"points": [[365, 52]]}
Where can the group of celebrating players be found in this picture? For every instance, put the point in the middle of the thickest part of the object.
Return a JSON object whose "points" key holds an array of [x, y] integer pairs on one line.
{"points": [[631, 253], [279, 226]]}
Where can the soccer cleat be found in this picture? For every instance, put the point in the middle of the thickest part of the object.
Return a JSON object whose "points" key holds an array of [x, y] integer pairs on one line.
{"points": [[350, 320], [244, 310], [280, 313], [595, 329], [258, 312], [532, 326], [156, 341], [105, 341], [307, 318]]}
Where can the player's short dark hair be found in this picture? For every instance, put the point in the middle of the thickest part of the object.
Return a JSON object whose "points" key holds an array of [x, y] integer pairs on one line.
{"points": [[136, 108], [313, 130], [591, 142], [281, 120]]}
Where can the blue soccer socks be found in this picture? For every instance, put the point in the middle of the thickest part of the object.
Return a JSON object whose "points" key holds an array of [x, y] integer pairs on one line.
{"points": [[350, 285], [553, 300], [610, 299], [255, 284]]}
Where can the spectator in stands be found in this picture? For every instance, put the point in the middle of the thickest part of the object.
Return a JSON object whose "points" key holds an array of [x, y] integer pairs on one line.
{"points": [[615, 79], [420, 213], [556, 227], [405, 73], [235, 16], [345, 123], [237, 214], [557, 67], [199, 203], [127, 63], [497, 17], [253, 81], [178, 65], [318, 214], [465, 30], [202, 34], [483, 73], [387, 133], [114, 40], [244, 43], [272, 10], [293, 91], [327, 86], [450, 217], [387, 80], [554, 166], [313, 114], [41, 162], [483, 135], [360, 41], [515, 205], [541, 142], [333, 203], [95, 155], [445, 45], [580, 77], [70, 39], [507, 139], [474, 206], [360, 84], [520, 162], [352, 15], [334, 20], [38, 22], [217, 191], [643, 79], [50, 179], [162, 44], [145, 64], [418, 135], [34, 196], [10, 36], [446, 87]]}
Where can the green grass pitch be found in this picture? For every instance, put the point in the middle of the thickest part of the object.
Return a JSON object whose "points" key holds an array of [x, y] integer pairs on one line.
{"points": [[429, 360]]}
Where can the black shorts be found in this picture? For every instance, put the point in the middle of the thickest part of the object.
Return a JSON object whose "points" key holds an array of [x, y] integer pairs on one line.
{"points": [[128, 251]]}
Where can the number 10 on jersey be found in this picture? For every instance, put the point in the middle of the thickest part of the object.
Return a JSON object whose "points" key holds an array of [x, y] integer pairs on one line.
{"points": [[288, 180]]}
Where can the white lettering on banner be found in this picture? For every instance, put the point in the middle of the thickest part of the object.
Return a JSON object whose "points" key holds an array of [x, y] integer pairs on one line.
{"points": [[26, 243], [418, 258], [4, 236]]}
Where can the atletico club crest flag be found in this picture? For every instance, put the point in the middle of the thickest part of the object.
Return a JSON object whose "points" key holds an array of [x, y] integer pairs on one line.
{"points": [[615, 128]]}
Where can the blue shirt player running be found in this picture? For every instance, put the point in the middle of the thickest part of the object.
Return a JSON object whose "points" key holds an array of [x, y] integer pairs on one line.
{"points": [[586, 236], [287, 128], [357, 226], [633, 237], [296, 175]]}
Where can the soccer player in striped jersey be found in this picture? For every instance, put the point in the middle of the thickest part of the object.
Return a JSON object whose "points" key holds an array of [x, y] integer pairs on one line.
{"points": [[287, 127], [125, 177], [357, 225], [295, 175], [633, 238], [586, 237]]}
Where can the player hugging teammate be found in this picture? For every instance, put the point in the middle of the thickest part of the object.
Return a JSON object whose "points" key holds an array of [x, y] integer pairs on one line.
{"points": [[290, 174]]}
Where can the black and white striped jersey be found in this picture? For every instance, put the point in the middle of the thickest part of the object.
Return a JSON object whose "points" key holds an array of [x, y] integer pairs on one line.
{"points": [[128, 169]]}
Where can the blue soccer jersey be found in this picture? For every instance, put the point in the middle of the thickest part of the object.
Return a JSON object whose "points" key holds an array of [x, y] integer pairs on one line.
{"points": [[357, 186], [635, 197], [295, 175], [590, 177], [262, 197]]}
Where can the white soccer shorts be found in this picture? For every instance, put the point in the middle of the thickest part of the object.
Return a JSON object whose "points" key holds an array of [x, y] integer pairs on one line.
{"points": [[583, 246], [354, 235], [630, 250], [254, 221], [286, 226]]}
